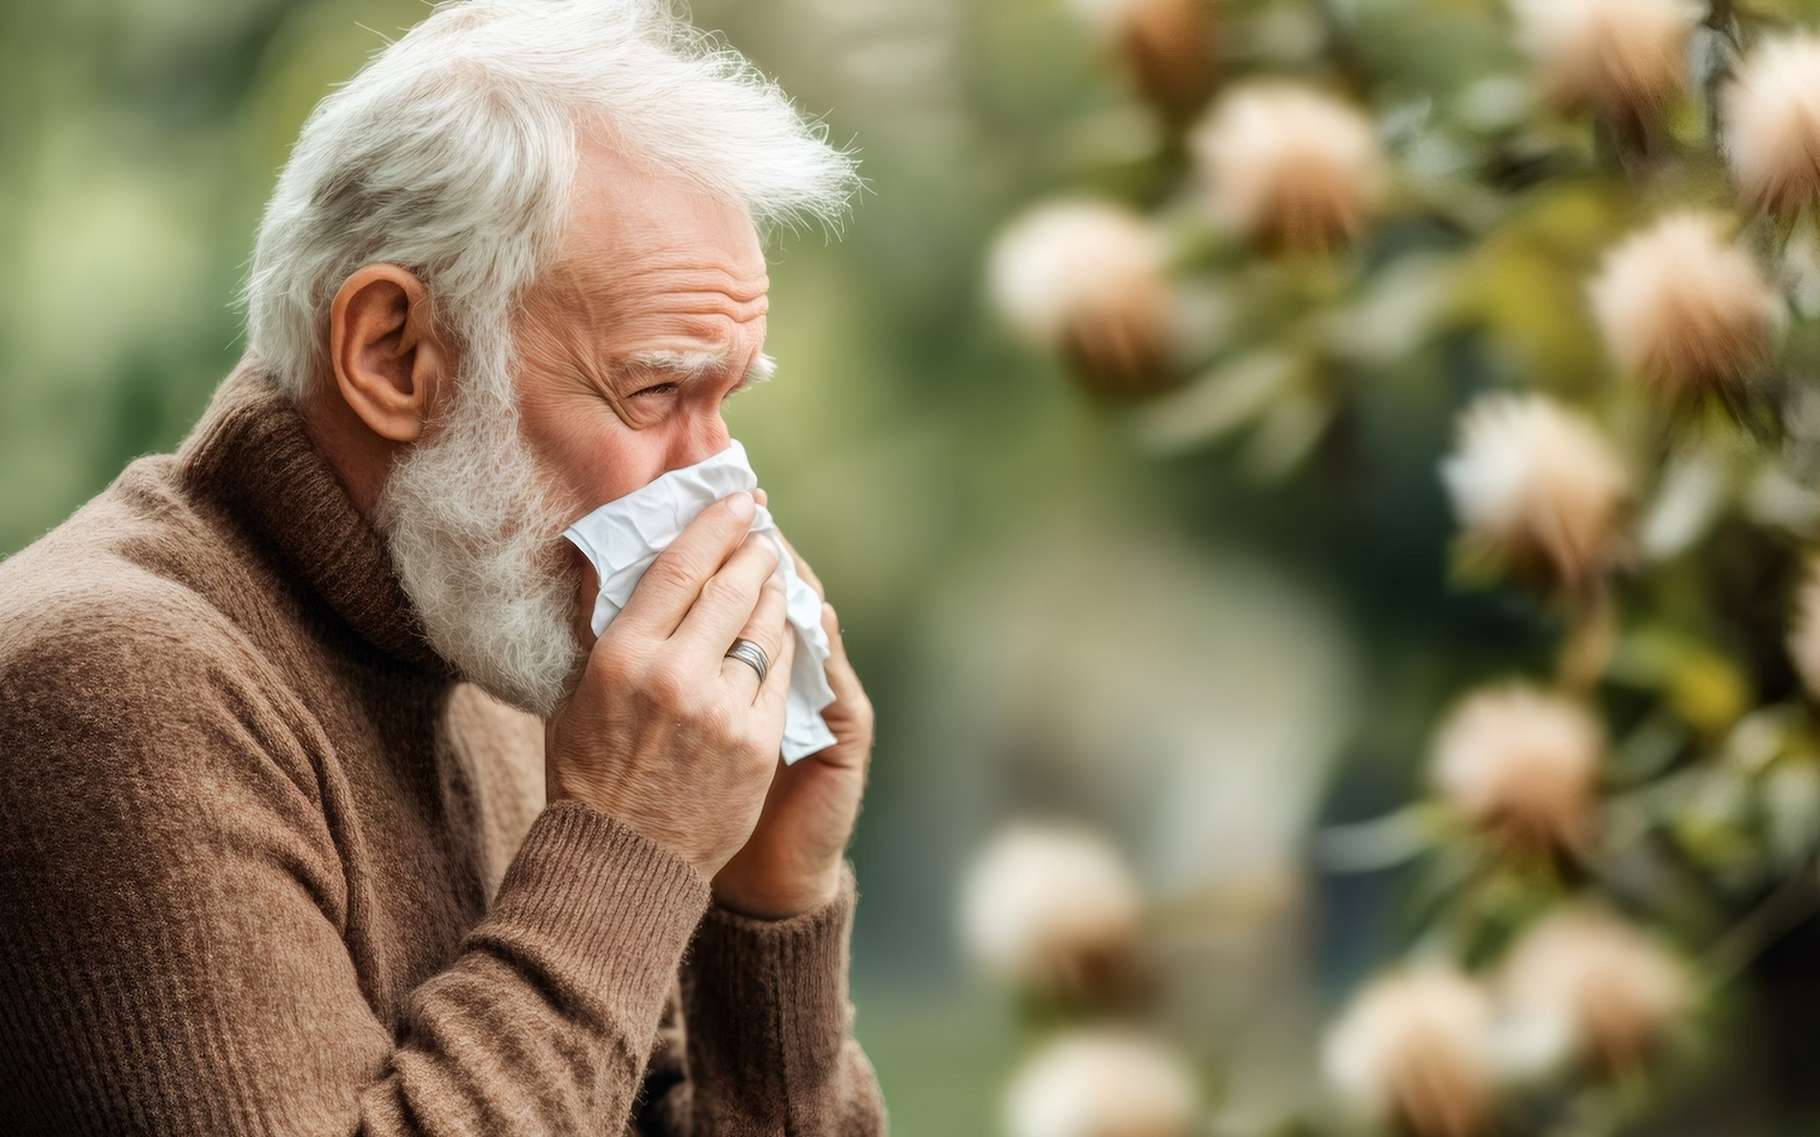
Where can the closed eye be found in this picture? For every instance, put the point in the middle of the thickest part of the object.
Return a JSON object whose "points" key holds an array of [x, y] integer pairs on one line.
{"points": [[692, 368], [661, 389]]}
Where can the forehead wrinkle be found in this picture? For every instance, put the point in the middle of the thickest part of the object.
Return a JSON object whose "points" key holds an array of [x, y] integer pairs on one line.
{"points": [[695, 276], [701, 314], [669, 294], [680, 274], [590, 269], [686, 322], [701, 310], [658, 328]]}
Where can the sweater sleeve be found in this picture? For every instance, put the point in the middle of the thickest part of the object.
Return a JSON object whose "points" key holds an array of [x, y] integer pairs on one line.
{"points": [[173, 960], [765, 1045]]}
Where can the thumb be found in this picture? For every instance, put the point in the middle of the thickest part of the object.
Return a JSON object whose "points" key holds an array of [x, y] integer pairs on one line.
{"points": [[587, 590]]}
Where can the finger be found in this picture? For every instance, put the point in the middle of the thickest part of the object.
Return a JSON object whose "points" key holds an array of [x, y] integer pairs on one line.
{"points": [[802, 567], [850, 701], [774, 695], [587, 592], [766, 628], [761, 496], [667, 590], [841, 677], [727, 600]]}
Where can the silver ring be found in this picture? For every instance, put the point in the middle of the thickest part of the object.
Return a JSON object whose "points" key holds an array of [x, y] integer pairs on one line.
{"points": [[750, 653]]}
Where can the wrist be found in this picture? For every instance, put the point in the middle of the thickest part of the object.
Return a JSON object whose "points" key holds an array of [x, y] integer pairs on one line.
{"points": [[779, 900], [763, 995]]}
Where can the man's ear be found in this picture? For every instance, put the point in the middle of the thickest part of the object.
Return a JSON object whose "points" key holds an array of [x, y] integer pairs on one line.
{"points": [[387, 359]]}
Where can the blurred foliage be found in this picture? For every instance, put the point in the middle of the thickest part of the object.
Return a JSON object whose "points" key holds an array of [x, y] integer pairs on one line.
{"points": [[1328, 381]]}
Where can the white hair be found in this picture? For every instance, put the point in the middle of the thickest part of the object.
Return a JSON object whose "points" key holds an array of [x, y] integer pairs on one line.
{"points": [[452, 153]]}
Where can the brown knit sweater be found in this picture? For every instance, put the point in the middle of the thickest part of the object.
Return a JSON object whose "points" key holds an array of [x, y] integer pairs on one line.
{"points": [[268, 866]]}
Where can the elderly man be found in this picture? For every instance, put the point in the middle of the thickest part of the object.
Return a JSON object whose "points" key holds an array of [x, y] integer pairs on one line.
{"points": [[325, 811]]}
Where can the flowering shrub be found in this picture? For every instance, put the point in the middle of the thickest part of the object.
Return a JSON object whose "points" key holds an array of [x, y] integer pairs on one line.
{"points": [[1593, 226]]}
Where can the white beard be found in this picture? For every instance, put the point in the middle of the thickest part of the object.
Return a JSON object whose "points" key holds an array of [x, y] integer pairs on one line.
{"points": [[474, 532]]}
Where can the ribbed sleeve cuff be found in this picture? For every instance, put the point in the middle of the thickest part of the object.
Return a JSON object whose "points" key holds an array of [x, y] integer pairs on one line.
{"points": [[596, 905], [766, 1000]]}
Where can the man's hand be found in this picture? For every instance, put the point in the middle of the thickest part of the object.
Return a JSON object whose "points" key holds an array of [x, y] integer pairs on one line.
{"points": [[664, 732], [792, 861]]}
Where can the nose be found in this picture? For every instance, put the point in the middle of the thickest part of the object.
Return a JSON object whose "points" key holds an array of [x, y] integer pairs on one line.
{"points": [[695, 445]]}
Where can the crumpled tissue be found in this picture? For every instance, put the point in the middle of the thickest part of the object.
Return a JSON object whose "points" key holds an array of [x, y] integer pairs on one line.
{"points": [[624, 536]]}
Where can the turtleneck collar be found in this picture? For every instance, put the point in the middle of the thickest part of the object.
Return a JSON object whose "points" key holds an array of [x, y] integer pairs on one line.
{"points": [[252, 452]]}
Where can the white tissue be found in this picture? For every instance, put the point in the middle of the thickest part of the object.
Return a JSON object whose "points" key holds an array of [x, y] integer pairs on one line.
{"points": [[625, 535]]}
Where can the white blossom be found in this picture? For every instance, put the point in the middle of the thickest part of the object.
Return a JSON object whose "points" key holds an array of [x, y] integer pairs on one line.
{"points": [[1626, 58], [1537, 485], [1050, 908], [1418, 1049], [1772, 123], [1085, 279], [1521, 764], [1684, 308], [1102, 1083], [1290, 166], [1606, 989]]}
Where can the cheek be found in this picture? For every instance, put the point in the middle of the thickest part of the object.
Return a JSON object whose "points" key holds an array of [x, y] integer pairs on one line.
{"points": [[607, 463], [594, 455]]}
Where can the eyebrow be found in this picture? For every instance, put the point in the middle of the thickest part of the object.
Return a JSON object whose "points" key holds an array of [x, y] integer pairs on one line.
{"points": [[689, 365]]}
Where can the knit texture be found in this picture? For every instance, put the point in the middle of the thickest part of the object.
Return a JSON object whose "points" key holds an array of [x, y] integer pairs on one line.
{"points": [[268, 865]]}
